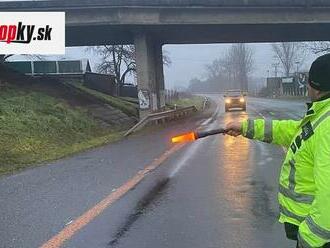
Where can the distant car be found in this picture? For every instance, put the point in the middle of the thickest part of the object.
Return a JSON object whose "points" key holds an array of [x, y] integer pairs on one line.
{"points": [[235, 99]]}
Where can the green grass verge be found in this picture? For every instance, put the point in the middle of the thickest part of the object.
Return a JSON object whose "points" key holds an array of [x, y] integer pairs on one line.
{"points": [[35, 127], [186, 102], [130, 99], [127, 107]]}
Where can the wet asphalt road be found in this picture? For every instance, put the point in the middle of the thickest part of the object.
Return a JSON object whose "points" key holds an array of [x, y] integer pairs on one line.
{"points": [[224, 195], [216, 192]]}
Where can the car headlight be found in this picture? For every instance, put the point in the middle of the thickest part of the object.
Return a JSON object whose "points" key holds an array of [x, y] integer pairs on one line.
{"points": [[242, 99], [228, 101]]}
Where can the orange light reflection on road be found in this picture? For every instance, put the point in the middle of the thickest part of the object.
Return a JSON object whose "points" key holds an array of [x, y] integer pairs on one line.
{"points": [[184, 138]]}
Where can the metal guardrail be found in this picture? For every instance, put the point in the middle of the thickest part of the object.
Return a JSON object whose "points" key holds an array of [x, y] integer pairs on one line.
{"points": [[170, 114]]}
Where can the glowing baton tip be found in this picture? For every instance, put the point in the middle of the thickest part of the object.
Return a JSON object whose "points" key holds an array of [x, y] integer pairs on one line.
{"points": [[184, 138]]}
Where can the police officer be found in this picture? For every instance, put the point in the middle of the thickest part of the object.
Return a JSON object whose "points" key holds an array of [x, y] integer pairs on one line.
{"points": [[304, 184]]}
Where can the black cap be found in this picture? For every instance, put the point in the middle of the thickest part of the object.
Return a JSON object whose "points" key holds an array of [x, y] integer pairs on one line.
{"points": [[319, 74]]}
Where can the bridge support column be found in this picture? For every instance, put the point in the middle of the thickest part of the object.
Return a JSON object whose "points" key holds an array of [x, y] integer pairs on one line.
{"points": [[150, 74]]}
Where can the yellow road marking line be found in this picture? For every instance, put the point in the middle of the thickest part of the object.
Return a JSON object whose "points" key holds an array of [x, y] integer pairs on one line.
{"points": [[70, 230]]}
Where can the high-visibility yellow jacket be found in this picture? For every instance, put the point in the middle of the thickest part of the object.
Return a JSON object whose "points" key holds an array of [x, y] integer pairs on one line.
{"points": [[304, 185]]}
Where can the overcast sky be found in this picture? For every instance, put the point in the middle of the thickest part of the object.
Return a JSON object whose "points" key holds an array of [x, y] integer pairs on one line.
{"points": [[188, 61]]}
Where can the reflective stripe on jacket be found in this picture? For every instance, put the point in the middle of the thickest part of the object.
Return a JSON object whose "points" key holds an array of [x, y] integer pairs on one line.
{"points": [[304, 185]]}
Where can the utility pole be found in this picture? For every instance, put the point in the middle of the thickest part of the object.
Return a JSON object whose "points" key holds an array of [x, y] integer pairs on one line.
{"points": [[276, 65], [297, 63]]}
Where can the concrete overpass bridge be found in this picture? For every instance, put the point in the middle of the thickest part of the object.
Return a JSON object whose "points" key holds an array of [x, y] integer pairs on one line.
{"points": [[149, 24]]}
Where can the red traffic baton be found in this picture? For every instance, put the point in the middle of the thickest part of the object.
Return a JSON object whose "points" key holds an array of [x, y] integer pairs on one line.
{"points": [[192, 136]]}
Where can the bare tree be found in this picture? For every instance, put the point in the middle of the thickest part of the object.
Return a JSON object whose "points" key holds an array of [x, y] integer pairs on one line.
{"points": [[4, 57], [120, 61], [289, 53], [241, 57], [166, 58], [215, 69], [237, 66], [318, 46], [233, 69], [197, 85], [215, 76]]}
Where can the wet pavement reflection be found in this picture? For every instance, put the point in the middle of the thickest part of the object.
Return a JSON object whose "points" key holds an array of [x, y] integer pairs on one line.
{"points": [[222, 196]]}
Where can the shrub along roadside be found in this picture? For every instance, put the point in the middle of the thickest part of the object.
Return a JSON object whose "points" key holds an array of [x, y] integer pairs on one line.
{"points": [[189, 101]]}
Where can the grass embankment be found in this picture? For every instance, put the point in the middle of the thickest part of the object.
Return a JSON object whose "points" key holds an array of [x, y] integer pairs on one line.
{"points": [[191, 101], [35, 127], [135, 101], [128, 107]]}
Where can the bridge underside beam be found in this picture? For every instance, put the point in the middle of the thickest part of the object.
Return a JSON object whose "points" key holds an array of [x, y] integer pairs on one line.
{"points": [[167, 3], [198, 34]]}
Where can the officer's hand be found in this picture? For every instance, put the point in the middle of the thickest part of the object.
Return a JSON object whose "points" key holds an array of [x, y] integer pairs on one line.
{"points": [[234, 128]]}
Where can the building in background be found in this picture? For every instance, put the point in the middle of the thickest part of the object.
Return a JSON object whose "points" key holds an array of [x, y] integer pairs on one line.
{"points": [[78, 71], [294, 85], [46, 67]]}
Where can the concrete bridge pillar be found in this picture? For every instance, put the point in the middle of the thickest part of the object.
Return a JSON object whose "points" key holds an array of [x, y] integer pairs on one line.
{"points": [[150, 74]]}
